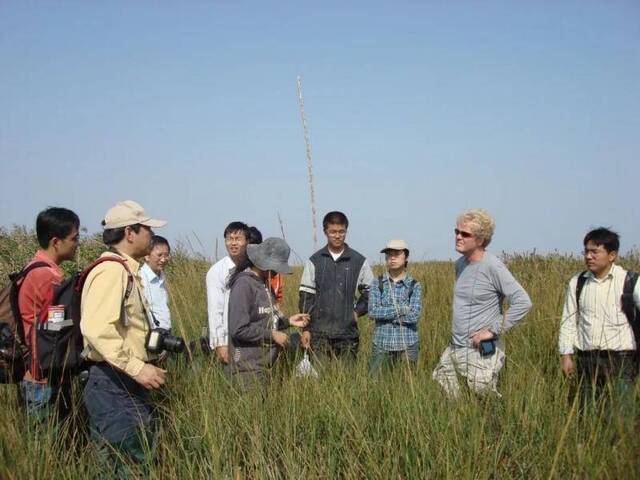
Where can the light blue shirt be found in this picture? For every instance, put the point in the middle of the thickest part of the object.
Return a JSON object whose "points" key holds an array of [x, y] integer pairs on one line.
{"points": [[156, 292]]}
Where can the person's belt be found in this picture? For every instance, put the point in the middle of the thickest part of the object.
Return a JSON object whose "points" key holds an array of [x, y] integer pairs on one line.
{"points": [[607, 353], [89, 363]]}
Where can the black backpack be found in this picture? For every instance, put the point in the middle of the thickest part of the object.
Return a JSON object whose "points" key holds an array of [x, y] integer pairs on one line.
{"points": [[626, 302], [15, 356], [59, 345]]}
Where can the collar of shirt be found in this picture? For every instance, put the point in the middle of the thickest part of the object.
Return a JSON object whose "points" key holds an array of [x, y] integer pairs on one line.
{"points": [[405, 281], [610, 275], [344, 255], [150, 275], [41, 256], [228, 263], [132, 263]]}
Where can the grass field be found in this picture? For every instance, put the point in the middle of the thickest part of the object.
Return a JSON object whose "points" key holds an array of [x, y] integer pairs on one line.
{"points": [[347, 425]]}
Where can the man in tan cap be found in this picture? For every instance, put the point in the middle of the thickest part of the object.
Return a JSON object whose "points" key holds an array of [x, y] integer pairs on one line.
{"points": [[115, 325]]}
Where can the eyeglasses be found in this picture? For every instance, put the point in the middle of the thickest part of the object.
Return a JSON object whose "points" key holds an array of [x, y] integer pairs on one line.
{"points": [[593, 251], [463, 234]]}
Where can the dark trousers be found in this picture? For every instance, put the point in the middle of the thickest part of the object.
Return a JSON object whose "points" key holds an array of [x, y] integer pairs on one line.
{"points": [[341, 348], [120, 415], [598, 368]]}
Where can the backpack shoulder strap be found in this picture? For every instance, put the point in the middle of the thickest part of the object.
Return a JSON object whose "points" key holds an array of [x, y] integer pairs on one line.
{"points": [[83, 277], [582, 279], [412, 286], [626, 302], [16, 282], [121, 261], [380, 284], [18, 276]]}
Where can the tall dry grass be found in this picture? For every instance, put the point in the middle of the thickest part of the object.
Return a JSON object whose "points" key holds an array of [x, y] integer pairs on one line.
{"points": [[348, 425]]}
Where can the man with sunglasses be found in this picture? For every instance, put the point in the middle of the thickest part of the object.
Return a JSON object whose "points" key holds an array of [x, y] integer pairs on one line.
{"points": [[482, 282]]}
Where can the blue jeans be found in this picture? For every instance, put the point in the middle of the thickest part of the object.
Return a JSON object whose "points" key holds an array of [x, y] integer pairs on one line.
{"points": [[381, 358], [120, 412], [42, 401]]}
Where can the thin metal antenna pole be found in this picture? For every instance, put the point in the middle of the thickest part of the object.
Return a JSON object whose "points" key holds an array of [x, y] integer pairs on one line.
{"points": [[309, 165]]}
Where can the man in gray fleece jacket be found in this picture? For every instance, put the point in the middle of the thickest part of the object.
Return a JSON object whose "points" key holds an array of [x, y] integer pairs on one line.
{"points": [[482, 282]]}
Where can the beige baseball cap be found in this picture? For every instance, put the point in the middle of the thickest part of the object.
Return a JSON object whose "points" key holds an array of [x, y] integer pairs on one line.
{"points": [[127, 213], [395, 245]]}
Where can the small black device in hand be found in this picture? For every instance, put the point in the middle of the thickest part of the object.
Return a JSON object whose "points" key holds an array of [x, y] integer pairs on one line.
{"points": [[160, 339], [488, 347]]}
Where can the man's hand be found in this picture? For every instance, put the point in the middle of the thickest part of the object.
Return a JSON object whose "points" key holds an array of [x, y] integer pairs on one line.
{"points": [[280, 338], [567, 365], [222, 352], [305, 340], [299, 320], [484, 334], [150, 377]]}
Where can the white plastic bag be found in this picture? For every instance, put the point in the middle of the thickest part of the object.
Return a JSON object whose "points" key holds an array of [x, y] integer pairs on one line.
{"points": [[305, 369]]}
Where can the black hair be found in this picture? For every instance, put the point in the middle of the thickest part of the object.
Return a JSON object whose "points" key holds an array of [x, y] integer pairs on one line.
{"points": [[55, 222], [609, 239], [236, 226], [241, 267], [159, 240], [112, 236], [406, 256], [255, 236], [335, 217]]}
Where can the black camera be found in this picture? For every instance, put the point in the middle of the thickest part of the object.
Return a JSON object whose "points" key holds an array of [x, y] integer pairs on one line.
{"points": [[160, 339]]}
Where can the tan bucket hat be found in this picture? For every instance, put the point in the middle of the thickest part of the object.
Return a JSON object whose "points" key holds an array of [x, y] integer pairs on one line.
{"points": [[126, 213]]}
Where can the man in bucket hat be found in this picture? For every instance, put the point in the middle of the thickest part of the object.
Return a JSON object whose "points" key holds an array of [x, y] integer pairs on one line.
{"points": [[256, 325], [115, 325]]}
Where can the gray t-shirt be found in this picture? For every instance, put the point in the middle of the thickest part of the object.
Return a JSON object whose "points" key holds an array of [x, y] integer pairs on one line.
{"points": [[477, 298]]}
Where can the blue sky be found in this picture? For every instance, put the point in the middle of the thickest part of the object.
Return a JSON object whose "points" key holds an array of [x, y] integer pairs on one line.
{"points": [[416, 111]]}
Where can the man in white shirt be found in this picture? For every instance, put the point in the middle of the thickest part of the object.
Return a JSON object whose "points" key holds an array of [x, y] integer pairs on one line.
{"points": [[236, 238], [154, 280], [594, 326]]}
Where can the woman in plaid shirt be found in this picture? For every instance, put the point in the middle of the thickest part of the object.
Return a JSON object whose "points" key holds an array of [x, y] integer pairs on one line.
{"points": [[395, 303]]}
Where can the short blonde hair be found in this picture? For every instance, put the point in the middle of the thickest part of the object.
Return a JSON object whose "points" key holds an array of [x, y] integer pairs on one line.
{"points": [[482, 224]]}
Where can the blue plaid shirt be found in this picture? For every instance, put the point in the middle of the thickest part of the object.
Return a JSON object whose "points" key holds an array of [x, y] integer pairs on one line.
{"points": [[396, 322]]}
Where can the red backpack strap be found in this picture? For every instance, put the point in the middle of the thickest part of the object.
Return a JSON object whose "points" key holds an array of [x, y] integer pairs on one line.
{"points": [[110, 258]]}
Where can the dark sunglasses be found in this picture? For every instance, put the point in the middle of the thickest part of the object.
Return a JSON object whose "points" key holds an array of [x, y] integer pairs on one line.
{"points": [[463, 234]]}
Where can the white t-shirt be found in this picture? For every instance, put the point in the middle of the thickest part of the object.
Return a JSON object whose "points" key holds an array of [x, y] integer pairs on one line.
{"points": [[336, 256]]}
